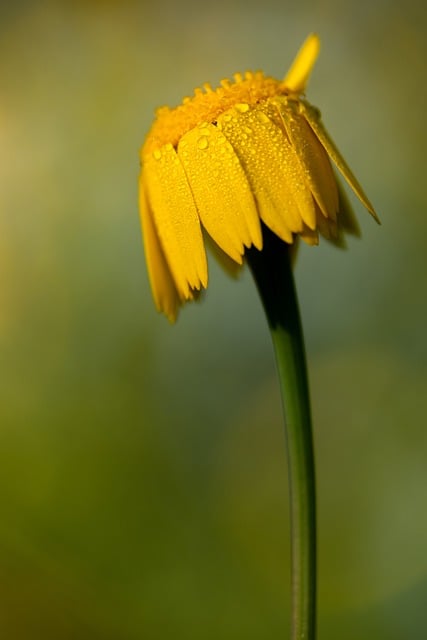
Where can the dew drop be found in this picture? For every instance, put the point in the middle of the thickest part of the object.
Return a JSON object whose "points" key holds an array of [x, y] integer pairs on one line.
{"points": [[262, 117], [242, 107], [203, 143], [157, 154]]}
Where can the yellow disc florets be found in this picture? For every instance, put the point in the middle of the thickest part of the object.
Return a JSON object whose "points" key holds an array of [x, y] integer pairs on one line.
{"points": [[208, 104]]}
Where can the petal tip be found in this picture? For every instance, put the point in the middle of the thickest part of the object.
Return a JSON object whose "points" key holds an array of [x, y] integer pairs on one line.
{"points": [[297, 76]]}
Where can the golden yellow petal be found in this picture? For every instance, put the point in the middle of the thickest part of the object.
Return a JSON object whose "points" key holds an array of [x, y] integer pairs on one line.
{"points": [[313, 118], [176, 220], [162, 285], [313, 158], [329, 229], [310, 236], [295, 172], [300, 69], [231, 267], [221, 190], [268, 161]]}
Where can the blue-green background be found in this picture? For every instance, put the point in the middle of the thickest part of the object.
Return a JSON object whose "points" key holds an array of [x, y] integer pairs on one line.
{"points": [[143, 486]]}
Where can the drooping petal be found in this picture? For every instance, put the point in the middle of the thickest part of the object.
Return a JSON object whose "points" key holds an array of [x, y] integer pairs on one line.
{"points": [[221, 190], [312, 117], [312, 157], [300, 69], [310, 236], [266, 156], [176, 220], [294, 171], [328, 228], [162, 285], [230, 266]]}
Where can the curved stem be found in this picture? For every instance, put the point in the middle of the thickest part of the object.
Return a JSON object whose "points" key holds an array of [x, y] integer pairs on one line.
{"points": [[272, 271]]}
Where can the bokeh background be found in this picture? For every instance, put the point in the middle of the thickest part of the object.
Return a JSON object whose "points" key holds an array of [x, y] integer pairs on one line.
{"points": [[143, 484]]}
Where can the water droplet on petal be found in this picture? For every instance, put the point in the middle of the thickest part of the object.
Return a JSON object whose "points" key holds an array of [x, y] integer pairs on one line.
{"points": [[262, 117], [242, 107], [203, 143], [157, 154]]}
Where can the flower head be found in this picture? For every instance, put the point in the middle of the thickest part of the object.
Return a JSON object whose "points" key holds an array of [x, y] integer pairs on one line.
{"points": [[225, 160]]}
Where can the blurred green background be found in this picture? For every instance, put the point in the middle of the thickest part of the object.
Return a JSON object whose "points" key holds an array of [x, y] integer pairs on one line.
{"points": [[143, 483]]}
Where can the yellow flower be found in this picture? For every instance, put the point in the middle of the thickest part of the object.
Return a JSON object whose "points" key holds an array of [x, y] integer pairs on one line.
{"points": [[224, 161]]}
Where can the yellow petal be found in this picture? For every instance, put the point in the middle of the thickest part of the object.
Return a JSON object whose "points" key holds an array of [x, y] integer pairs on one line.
{"points": [[310, 236], [294, 170], [176, 220], [312, 117], [313, 158], [328, 228], [221, 190], [267, 158], [162, 285], [300, 69], [231, 267]]}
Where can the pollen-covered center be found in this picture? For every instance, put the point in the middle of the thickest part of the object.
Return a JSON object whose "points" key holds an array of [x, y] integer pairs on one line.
{"points": [[207, 105]]}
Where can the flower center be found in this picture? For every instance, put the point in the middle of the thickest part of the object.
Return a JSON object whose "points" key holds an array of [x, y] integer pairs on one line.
{"points": [[207, 105]]}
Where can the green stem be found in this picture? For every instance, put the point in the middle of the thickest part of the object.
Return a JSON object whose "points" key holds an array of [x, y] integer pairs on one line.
{"points": [[272, 271]]}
